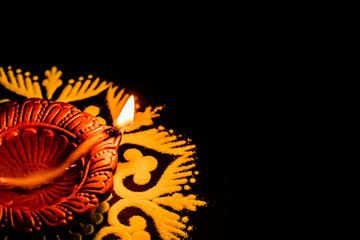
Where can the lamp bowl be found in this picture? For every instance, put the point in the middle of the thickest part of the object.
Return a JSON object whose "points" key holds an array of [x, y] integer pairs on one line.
{"points": [[37, 135]]}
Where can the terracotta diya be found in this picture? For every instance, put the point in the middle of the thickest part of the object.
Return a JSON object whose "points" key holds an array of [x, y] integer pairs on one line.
{"points": [[39, 135]]}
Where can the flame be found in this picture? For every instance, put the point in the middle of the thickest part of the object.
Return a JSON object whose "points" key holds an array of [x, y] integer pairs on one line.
{"points": [[126, 117]]}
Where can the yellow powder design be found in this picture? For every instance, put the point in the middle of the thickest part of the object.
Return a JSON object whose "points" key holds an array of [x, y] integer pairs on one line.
{"points": [[142, 165], [168, 223], [52, 82], [20, 85], [185, 219], [146, 118], [159, 140], [82, 90]]}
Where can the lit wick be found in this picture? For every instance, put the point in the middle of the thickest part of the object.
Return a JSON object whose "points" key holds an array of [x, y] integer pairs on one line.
{"points": [[126, 117], [123, 122]]}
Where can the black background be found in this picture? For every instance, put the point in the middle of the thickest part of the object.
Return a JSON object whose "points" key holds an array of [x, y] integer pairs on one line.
{"points": [[200, 104]]}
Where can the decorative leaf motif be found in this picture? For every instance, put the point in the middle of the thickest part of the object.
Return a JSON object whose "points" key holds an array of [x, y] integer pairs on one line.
{"points": [[116, 102], [135, 230], [159, 140], [82, 90], [167, 223], [145, 118], [26, 87], [52, 82], [171, 180], [178, 202]]}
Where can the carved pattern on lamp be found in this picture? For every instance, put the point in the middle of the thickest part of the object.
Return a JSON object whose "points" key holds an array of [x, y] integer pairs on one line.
{"points": [[36, 135]]}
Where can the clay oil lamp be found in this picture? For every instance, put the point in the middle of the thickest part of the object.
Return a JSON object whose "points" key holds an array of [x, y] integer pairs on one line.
{"points": [[56, 162]]}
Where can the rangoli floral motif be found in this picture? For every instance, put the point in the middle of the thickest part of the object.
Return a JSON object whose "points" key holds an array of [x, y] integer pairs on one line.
{"points": [[156, 168]]}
